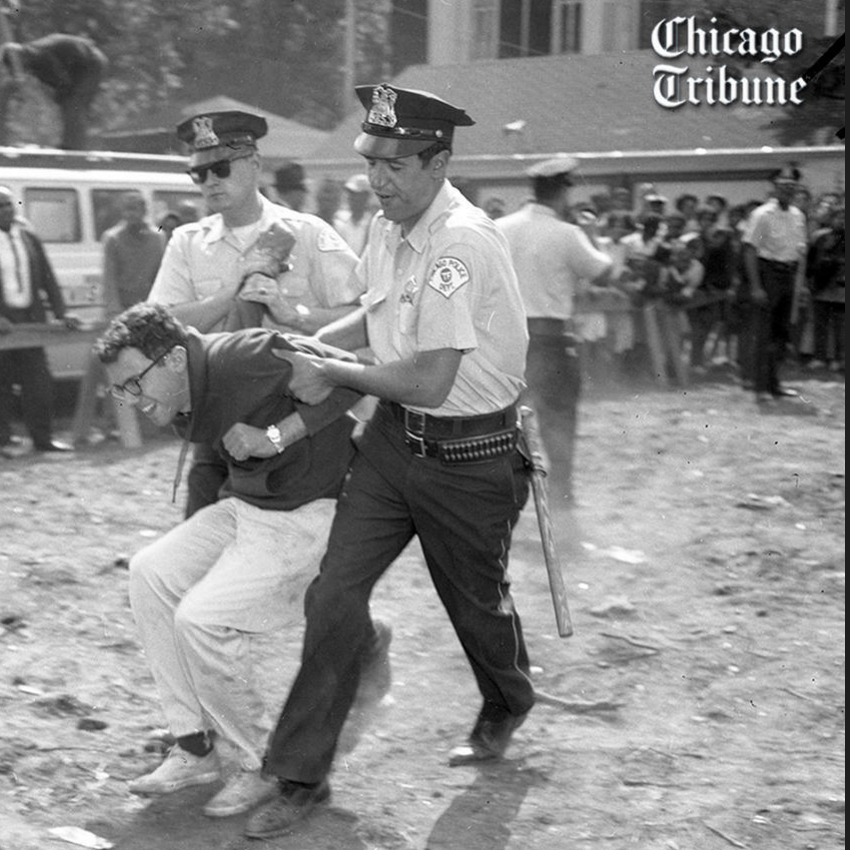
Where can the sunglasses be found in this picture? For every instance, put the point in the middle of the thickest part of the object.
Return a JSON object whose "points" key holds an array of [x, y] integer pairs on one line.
{"points": [[133, 386], [220, 169]]}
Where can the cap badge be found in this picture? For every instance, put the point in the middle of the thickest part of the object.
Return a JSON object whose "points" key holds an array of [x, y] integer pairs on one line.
{"points": [[383, 107], [205, 136]]}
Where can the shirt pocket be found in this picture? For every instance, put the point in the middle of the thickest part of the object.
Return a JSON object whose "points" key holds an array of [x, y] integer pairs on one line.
{"points": [[208, 286]]}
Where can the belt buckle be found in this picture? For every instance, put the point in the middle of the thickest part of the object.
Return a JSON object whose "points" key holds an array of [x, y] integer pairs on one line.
{"points": [[415, 442], [413, 421]]}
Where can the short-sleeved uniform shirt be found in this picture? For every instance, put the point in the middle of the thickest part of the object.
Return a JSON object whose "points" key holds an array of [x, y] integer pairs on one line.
{"points": [[777, 234], [448, 284], [204, 257], [551, 257]]}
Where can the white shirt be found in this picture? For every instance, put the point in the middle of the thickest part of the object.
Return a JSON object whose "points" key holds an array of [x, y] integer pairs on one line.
{"points": [[205, 257], [448, 284], [15, 269], [777, 234], [551, 257]]}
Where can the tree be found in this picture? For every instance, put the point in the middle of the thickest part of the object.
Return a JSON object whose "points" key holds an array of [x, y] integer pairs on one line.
{"points": [[286, 57], [820, 118]]}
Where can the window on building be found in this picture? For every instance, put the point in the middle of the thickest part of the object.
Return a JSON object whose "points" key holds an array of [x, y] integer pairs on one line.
{"points": [[485, 29], [538, 27], [525, 28], [566, 32]]}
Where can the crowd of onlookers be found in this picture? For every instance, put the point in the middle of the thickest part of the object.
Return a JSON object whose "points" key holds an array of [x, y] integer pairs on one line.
{"points": [[677, 299]]}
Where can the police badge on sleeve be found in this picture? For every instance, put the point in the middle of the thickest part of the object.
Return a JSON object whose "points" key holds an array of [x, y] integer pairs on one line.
{"points": [[448, 275]]}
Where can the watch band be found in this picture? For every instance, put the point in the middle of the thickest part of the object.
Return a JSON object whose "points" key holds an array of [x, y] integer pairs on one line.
{"points": [[274, 436]]}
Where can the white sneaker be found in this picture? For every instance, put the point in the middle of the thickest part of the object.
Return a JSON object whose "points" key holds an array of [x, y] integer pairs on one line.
{"points": [[242, 792], [179, 770]]}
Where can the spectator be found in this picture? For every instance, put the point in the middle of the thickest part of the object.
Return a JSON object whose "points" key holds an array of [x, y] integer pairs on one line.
{"points": [[664, 320], [27, 283], [675, 228], [620, 322], [132, 252], [328, 199], [168, 223], [290, 186], [825, 269], [720, 205], [239, 567], [494, 207], [708, 312], [352, 223], [188, 212], [686, 204]]}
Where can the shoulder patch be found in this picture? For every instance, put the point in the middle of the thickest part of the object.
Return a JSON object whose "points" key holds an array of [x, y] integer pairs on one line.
{"points": [[448, 275], [330, 240]]}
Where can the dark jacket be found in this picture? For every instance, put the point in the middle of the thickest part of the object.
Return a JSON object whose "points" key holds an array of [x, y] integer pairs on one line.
{"points": [[234, 377], [46, 291]]}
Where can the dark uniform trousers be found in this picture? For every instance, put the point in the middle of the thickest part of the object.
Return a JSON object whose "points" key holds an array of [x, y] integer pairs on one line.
{"points": [[553, 374], [463, 515], [772, 323]]}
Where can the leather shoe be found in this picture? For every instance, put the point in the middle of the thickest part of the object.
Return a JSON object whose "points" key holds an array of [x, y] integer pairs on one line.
{"points": [[488, 741], [53, 446], [292, 805]]}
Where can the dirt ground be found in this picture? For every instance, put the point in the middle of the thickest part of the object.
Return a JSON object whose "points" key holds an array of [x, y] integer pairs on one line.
{"points": [[702, 694]]}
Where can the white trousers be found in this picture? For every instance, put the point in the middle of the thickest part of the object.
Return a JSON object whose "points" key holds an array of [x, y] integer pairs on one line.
{"points": [[200, 593]]}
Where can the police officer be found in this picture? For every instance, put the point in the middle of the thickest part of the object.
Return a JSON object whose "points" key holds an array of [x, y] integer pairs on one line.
{"points": [[553, 259], [438, 460], [250, 262], [774, 243]]}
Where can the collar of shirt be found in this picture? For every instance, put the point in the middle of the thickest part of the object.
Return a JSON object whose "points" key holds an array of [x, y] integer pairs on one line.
{"points": [[431, 219], [541, 209], [215, 230]]}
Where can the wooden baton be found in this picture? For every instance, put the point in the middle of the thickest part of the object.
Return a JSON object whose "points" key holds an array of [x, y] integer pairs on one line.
{"points": [[531, 433]]}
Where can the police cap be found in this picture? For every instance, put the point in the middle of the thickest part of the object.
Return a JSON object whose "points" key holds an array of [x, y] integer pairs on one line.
{"points": [[403, 122], [215, 136], [558, 169]]}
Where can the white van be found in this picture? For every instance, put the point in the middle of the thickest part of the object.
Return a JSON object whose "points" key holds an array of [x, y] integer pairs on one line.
{"points": [[70, 198]]}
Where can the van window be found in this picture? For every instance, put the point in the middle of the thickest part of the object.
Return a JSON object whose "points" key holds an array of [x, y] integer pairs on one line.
{"points": [[107, 207], [54, 214], [167, 200]]}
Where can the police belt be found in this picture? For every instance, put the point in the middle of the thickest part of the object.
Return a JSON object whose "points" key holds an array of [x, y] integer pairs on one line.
{"points": [[457, 439], [553, 332], [779, 265]]}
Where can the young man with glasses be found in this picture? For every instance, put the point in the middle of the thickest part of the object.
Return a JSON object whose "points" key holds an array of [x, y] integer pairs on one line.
{"points": [[210, 267], [238, 567]]}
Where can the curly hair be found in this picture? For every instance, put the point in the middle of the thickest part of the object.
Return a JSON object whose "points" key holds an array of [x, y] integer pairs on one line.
{"points": [[150, 328]]}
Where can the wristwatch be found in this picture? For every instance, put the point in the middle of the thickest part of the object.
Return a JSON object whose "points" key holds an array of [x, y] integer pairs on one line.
{"points": [[273, 433]]}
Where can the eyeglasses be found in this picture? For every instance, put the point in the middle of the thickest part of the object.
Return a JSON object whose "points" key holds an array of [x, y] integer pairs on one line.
{"points": [[220, 169], [133, 386]]}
